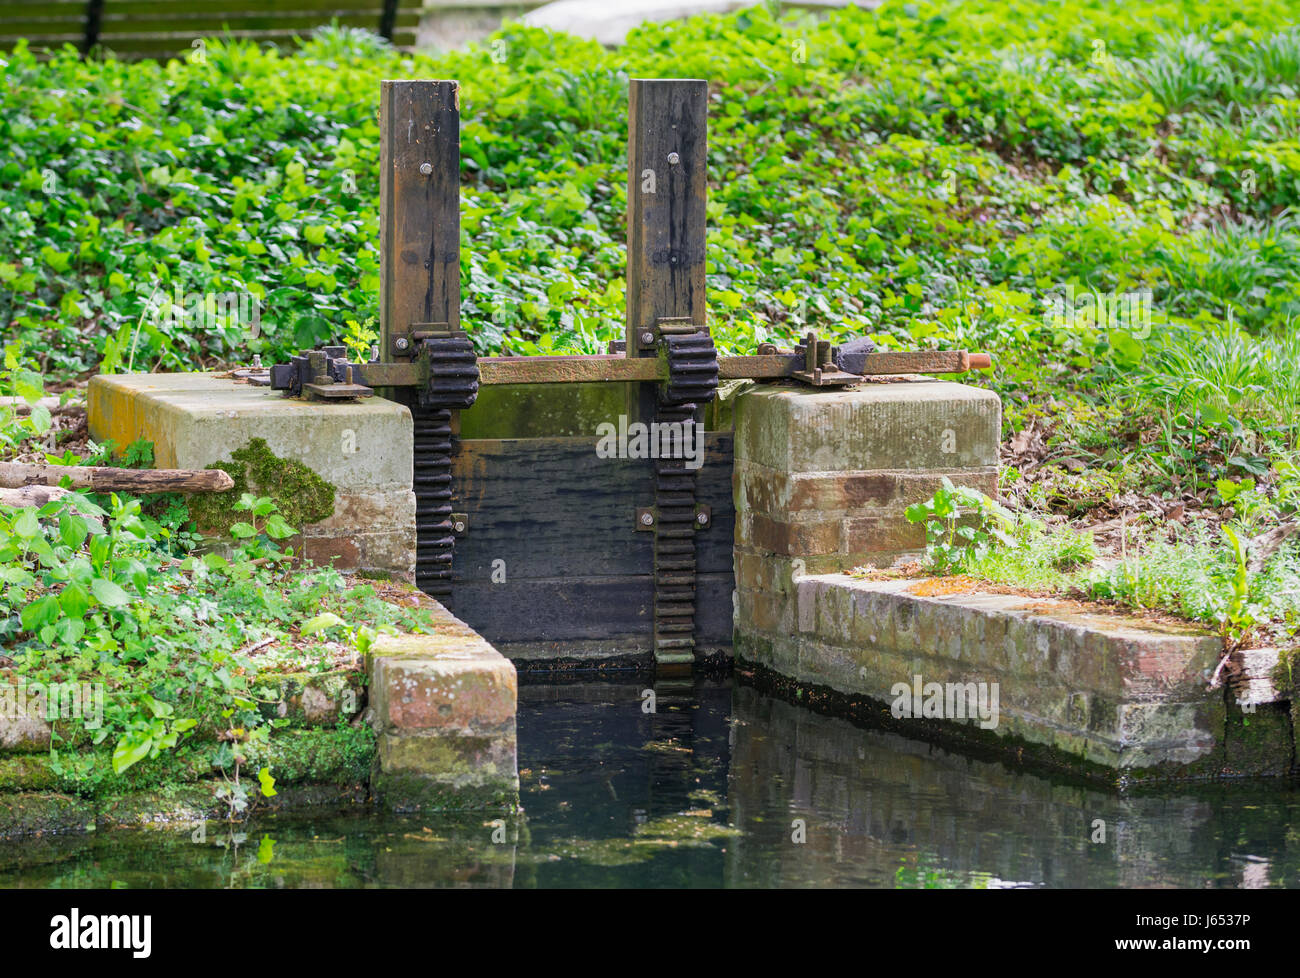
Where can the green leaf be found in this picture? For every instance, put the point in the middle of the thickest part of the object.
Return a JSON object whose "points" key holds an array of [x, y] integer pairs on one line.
{"points": [[108, 593], [38, 613], [321, 622], [74, 600], [27, 525], [134, 746], [72, 530], [70, 630], [242, 531], [277, 529], [267, 782]]}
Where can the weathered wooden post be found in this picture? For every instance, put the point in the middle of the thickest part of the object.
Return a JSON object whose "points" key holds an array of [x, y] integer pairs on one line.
{"points": [[419, 211], [666, 196], [419, 297]]}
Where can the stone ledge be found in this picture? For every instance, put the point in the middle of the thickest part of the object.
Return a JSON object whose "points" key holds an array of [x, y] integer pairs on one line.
{"points": [[196, 419], [1112, 690], [443, 706], [929, 424]]}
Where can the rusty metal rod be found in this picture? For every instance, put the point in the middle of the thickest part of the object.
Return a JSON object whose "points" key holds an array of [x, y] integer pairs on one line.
{"points": [[615, 367]]}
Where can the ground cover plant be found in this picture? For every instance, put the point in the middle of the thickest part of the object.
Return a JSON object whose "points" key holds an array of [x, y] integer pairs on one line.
{"points": [[190, 653], [1100, 195]]}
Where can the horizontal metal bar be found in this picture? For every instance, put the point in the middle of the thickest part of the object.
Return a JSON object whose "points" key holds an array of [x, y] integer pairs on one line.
{"points": [[615, 367], [569, 369], [771, 366]]}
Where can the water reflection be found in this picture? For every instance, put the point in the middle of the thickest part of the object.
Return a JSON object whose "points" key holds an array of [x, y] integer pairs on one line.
{"points": [[692, 783]]}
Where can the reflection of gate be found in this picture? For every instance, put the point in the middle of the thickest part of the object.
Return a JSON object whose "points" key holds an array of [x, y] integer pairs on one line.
{"points": [[545, 545]]}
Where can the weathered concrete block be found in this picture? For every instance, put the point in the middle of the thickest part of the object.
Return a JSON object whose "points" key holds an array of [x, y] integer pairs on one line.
{"points": [[826, 475], [922, 425], [444, 709], [362, 449]]}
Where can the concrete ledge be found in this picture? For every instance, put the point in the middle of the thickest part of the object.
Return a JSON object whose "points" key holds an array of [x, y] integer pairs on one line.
{"points": [[444, 709], [1107, 691], [908, 426]]}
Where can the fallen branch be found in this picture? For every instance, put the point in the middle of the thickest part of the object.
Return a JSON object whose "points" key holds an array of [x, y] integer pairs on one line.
{"points": [[1267, 544], [51, 404], [14, 475]]}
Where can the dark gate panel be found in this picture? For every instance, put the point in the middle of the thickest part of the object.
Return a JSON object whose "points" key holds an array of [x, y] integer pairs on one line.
{"points": [[551, 564]]}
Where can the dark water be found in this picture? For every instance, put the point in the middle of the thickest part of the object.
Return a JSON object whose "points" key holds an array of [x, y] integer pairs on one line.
{"points": [[710, 791]]}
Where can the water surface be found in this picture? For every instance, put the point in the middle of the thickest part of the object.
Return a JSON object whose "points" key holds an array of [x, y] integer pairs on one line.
{"points": [[721, 787]]}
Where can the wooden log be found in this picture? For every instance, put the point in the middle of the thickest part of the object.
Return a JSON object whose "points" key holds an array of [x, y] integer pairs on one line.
{"points": [[14, 475], [51, 404], [34, 497]]}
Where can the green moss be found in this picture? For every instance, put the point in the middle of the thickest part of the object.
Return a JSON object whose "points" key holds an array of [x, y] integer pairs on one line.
{"points": [[301, 495], [409, 793], [321, 755]]}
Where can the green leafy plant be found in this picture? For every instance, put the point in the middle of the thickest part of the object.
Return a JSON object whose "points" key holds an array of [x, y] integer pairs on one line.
{"points": [[961, 524]]}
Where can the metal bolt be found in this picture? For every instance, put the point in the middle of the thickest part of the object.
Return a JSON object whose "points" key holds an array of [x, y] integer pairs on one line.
{"points": [[674, 159], [647, 519], [426, 168], [402, 344], [460, 527], [647, 337], [702, 519]]}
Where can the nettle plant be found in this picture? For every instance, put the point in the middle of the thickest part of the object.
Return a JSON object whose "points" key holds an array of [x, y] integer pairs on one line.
{"points": [[961, 525]]}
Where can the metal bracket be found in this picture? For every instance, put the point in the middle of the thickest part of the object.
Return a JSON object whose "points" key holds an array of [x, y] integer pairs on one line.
{"points": [[648, 337], [819, 368], [647, 517], [321, 375]]}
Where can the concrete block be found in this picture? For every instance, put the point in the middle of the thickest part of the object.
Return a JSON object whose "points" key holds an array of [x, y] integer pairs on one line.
{"points": [[443, 706], [362, 449], [923, 425]]}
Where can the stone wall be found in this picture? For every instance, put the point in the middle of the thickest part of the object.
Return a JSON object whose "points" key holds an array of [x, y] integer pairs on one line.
{"points": [[822, 479]]}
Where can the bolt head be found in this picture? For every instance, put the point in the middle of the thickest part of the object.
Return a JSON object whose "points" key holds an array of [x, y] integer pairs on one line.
{"points": [[460, 527], [674, 159], [647, 337], [426, 168], [647, 519], [702, 518], [402, 343]]}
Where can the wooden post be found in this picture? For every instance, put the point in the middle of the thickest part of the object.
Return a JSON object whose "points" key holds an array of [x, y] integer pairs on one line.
{"points": [[667, 152], [419, 211]]}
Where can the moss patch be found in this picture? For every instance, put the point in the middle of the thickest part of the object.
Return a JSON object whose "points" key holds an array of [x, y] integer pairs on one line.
{"points": [[301, 495]]}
